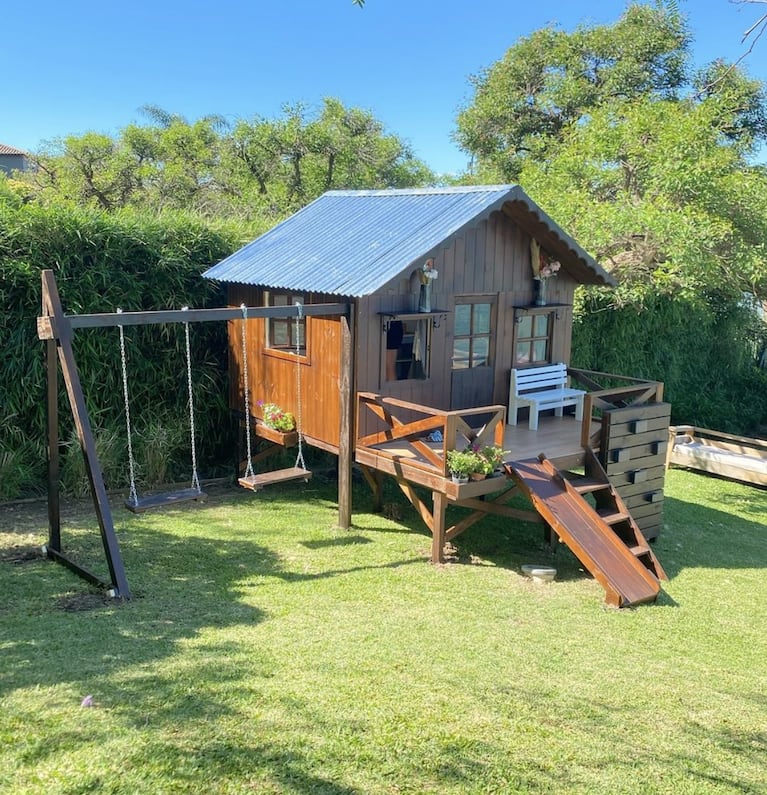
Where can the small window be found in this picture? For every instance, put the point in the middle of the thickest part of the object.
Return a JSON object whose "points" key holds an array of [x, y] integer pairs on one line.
{"points": [[534, 339], [282, 333], [408, 348], [471, 335]]}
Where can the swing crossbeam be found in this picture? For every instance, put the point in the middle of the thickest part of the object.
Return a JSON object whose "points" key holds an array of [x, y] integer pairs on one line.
{"points": [[48, 327], [257, 482], [163, 499]]}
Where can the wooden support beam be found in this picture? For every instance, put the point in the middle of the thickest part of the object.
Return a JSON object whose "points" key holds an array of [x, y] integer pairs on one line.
{"points": [[415, 500], [46, 326], [52, 421], [438, 527], [52, 307], [347, 405], [374, 479]]}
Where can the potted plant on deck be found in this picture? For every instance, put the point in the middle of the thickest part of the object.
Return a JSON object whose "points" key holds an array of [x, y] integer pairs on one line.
{"points": [[463, 464], [494, 455]]}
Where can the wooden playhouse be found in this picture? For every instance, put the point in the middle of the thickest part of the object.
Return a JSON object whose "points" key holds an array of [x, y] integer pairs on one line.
{"points": [[451, 292]]}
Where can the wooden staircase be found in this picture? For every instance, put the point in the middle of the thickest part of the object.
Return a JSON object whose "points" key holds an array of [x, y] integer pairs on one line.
{"points": [[609, 505], [587, 514]]}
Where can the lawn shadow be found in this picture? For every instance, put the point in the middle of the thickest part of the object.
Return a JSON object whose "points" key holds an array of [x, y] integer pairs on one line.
{"points": [[695, 535]]}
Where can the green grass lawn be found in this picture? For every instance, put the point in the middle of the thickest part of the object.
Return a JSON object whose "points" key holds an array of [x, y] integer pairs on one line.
{"points": [[267, 651]]}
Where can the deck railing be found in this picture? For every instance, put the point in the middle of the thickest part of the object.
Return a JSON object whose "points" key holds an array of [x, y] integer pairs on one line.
{"points": [[606, 391], [420, 436]]}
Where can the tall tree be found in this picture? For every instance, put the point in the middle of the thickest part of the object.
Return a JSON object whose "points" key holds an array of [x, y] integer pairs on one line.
{"points": [[259, 167], [650, 165], [551, 79]]}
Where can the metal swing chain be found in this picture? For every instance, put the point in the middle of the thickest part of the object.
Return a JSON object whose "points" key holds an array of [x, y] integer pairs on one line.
{"points": [[246, 390], [195, 477], [133, 495], [299, 425]]}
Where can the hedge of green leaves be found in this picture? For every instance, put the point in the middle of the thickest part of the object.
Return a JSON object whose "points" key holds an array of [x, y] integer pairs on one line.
{"points": [[704, 351], [102, 262]]}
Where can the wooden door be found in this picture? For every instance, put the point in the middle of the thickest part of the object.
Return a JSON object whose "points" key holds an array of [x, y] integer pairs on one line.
{"points": [[472, 365]]}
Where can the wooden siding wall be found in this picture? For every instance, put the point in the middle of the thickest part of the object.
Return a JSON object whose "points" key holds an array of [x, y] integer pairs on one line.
{"points": [[273, 378], [490, 260]]}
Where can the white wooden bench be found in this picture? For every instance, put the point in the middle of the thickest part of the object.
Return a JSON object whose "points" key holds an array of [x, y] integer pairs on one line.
{"points": [[542, 388]]}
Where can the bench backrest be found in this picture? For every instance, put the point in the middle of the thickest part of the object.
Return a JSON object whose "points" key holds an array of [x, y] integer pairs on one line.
{"points": [[536, 379]]}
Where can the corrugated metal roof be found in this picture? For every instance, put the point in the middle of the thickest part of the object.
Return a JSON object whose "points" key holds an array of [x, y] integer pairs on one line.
{"points": [[351, 243], [5, 149]]}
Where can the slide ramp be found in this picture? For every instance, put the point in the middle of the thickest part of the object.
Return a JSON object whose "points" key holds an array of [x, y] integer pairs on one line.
{"points": [[622, 567]]}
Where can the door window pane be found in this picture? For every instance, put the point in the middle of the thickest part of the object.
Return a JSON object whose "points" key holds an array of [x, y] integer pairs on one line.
{"points": [[480, 352], [462, 320], [481, 319]]}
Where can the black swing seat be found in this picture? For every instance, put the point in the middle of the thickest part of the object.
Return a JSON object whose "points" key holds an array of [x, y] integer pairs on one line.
{"points": [[163, 499], [256, 482]]}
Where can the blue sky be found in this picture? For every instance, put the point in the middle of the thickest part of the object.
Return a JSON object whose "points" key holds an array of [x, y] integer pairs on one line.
{"points": [[83, 65]]}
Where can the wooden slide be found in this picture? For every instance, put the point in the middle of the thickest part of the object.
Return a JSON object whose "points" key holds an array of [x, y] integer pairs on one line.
{"points": [[599, 531]]}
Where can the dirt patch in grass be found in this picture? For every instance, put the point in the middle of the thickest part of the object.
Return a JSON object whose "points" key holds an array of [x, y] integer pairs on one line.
{"points": [[21, 554], [74, 603]]}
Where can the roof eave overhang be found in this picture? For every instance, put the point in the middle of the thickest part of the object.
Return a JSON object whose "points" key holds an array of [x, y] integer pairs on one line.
{"points": [[574, 259]]}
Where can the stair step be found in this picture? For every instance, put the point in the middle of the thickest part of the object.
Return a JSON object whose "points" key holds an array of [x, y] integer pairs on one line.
{"points": [[611, 516], [589, 485], [639, 550]]}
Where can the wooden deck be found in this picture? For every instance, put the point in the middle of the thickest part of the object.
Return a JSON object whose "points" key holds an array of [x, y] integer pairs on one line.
{"points": [[558, 437]]}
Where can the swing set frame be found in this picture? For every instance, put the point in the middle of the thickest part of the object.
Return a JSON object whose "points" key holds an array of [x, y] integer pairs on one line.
{"points": [[56, 328]]}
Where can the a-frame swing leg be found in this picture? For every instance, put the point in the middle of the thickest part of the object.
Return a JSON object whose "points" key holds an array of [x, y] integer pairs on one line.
{"points": [[54, 327]]}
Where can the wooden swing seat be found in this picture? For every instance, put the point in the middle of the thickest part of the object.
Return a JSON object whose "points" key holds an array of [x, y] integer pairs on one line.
{"points": [[164, 499], [257, 482]]}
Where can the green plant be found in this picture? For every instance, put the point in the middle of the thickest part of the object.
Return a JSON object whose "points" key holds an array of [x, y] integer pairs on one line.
{"points": [[466, 462], [155, 445], [494, 455], [110, 450], [277, 418]]}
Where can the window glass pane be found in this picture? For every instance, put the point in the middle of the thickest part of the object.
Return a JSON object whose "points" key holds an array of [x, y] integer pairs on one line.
{"points": [[542, 326], [462, 320], [460, 354], [480, 352], [481, 319], [539, 350], [280, 333], [526, 326], [279, 300], [523, 353]]}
